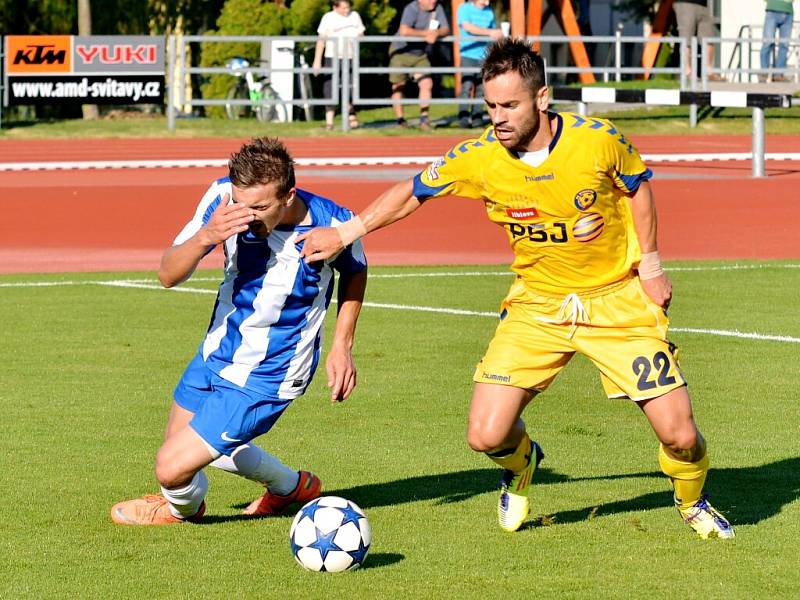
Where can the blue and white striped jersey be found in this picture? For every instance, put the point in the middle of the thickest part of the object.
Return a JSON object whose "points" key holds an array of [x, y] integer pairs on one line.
{"points": [[266, 329]]}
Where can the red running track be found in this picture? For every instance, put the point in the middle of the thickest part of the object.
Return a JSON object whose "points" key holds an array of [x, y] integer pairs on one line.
{"points": [[109, 220]]}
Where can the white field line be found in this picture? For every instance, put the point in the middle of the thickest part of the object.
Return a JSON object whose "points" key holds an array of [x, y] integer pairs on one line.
{"points": [[347, 161], [409, 275], [412, 275], [494, 315], [141, 284]]}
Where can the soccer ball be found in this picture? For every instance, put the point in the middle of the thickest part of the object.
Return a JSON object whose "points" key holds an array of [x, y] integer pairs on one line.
{"points": [[330, 534]]}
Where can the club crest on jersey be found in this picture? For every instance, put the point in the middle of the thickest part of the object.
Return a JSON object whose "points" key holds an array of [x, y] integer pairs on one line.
{"points": [[523, 214], [585, 198], [433, 169]]}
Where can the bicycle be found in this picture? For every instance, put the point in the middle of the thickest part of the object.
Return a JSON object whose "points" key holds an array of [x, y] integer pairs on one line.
{"points": [[248, 87]]}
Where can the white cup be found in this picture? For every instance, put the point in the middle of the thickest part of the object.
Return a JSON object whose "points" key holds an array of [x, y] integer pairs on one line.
{"points": [[505, 27], [434, 24]]}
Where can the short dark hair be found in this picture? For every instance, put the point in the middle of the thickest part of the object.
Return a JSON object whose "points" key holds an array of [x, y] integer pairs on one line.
{"points": [[261, 161], [514, 54]]}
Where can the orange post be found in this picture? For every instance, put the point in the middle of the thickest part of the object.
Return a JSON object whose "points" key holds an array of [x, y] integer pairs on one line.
{"points": [[650, 51], [570, 24], [517, 17], [535, 21]]}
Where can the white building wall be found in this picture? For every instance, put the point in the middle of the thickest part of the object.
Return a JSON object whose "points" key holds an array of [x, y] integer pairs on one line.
{"points": [[734, 15], [748, 14]]}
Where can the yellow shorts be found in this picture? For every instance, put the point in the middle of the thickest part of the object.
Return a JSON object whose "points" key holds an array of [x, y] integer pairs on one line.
{"points": [[619, 328]]}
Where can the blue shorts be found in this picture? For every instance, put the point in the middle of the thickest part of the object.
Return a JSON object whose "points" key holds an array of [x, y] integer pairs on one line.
{"points": [[225, 415]]}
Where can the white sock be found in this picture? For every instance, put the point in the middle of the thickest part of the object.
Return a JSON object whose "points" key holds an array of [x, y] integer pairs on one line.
{"points": [[185, 502], [250, 461]]}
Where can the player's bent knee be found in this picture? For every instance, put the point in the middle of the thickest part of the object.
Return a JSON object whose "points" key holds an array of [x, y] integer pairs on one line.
{"points": [[484, 441], [686, 445], [168, 474]]}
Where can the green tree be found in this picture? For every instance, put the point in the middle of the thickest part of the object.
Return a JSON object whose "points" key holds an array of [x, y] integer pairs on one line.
{"points": [[190, 16], [54, 17], [238, 17]]}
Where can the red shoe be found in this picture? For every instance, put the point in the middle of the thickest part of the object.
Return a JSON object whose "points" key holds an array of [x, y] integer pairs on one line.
{"points": [[153, 509], [308, 488]]}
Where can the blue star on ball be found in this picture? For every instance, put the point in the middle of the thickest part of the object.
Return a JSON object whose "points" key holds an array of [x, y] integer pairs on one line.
{"points": [[324, 543], [351, 515]]}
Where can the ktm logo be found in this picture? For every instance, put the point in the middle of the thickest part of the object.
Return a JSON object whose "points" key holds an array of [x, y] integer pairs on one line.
{"points": [[45, 54], [28, 54]]}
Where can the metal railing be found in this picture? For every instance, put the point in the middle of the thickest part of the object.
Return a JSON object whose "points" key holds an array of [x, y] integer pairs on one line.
{"points": [[745, 47], [748, 73], [351, 91], [177, 69]]}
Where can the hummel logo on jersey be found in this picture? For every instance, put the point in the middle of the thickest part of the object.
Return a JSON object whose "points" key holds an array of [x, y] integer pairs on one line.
{"points": [[297, 383], [535, 178], [225, 437]]}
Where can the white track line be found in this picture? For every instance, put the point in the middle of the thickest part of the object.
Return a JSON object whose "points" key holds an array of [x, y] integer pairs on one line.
{"points": [[350, 161]]}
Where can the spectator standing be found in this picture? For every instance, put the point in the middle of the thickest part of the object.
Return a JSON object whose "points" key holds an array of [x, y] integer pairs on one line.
{"points": [[694, 19], [427, 20], [778, 18], [475, 18], [336, 30]]}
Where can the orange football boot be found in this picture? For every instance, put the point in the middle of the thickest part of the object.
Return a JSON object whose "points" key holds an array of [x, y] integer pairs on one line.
{"points": [[308, 488], [153, 509]]}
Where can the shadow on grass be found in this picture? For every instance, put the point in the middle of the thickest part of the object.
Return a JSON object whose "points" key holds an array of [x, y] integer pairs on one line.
{"points": [[746, 495], [381, 559], [444, 488]]}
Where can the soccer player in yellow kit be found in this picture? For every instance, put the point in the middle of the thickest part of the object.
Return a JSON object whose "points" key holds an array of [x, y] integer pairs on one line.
{"points": [[573, 197]]}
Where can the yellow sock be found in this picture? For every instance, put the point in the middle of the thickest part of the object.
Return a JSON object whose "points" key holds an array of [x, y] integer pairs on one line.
{"points": [[517, 460], [687, 477]]}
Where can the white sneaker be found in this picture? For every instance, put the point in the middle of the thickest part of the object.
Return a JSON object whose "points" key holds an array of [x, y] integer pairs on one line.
{"points": [[706, 521]]}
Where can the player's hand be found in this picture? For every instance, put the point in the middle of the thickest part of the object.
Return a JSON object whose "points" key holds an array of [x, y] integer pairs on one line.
{"points": [[320, 243], [341, 374], [227, 220], [659, 289]]}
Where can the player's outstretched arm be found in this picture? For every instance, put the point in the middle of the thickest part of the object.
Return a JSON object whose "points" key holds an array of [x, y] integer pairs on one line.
{"points": [[339, 364], [179, 262], [392, 205], [654, 282]]}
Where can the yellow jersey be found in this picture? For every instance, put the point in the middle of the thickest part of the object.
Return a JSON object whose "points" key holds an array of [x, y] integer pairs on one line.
{"points": [[568, 219]]}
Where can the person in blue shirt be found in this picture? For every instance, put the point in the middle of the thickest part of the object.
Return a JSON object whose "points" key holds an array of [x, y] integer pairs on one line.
{"points": [[264, 339], [475, 19]]}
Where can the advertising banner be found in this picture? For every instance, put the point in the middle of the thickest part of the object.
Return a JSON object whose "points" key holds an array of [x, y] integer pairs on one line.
{"points": [[103, 69]]}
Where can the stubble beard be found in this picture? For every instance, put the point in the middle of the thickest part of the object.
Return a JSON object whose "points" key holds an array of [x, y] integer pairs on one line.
{"points": [[522, 139]]}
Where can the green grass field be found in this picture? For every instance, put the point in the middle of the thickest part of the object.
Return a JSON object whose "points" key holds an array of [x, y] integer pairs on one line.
{"points": [[89, 362]]}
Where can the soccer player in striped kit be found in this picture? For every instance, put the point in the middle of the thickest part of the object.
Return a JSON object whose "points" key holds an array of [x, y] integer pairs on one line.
{"points": [[263, 343], [573, 197]]}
